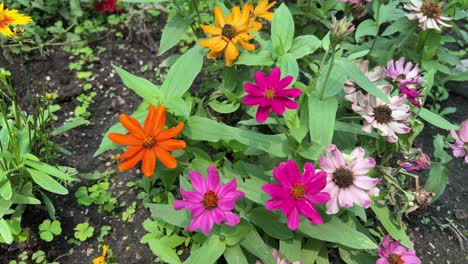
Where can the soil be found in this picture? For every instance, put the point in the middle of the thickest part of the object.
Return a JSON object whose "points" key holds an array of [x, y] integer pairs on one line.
{"points": [[433, 243]]}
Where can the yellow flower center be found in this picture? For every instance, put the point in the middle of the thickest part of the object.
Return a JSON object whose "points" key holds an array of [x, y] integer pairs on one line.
{"points": [[228, 31], [269, 93], [298, 191], [431, 9], [210, 200], [383, 114], [343, 177], [395, 259], [148, 142]]}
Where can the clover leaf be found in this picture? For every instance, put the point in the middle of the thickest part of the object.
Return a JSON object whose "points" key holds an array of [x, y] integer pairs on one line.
{"points": [[83, 231], [48, 229]]}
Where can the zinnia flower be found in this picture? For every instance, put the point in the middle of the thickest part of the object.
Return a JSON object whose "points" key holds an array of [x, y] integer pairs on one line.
{"points": [[10, 18], [389, 119], [392, 252], [354, 93], [422, 161], [403, 74], [106, 6], [412, 94], [296, 194], [278, 260], [347, 182], [460, 146], [211, 202], [270, 93], [428, 14], [102, 259], [229, 32], [148, 143], [261, 10]]}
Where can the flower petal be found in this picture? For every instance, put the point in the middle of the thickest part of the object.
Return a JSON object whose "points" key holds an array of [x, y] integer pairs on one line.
{"points": [[165, 157], [149, 163], [170, 133]]}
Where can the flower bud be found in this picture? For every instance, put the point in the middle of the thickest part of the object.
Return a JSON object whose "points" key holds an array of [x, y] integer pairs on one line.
{"points": [[340, 29]]}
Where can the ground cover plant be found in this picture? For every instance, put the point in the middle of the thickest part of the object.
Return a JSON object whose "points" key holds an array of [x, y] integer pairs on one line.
{"points": [[256, 132]]}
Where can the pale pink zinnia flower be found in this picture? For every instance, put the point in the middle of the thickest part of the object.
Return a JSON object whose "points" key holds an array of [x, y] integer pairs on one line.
{"points": [[390, 119], [428, 14], [354, 93], [270, 92], [296, 194], [460, 146], [278, 260], [402, 73], [211, 202], [347, 182], [392, 252]]}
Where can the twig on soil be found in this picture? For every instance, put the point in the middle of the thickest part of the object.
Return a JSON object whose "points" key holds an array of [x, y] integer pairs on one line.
{"points": [[452, 227]]}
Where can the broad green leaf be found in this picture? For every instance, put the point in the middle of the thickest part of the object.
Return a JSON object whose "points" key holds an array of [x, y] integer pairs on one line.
{"points": [[182, 74], [335, 230], [209, 253], [24, 199], [69, 126], [254, 244], [270, 223], [223, 107], [46, 182], [366, 28], [311, 250], [336, 80], [233, 235], [262, 58], [356, 257], [391, 12], [358, 54], [289, 66], [282, 30], [5, 186], [5, 206], [439, 152], [46, 168], [304, 45], [251, 188], [49, 205], [142, 87], [436, 120], [353, 128], [322, 115], [322, 257], [168, 214], [432, 44], [204, 129], [164, 252], [75, 8], [400, 26], [437, 180], [386, 218], [175, 28], [5, 232], [235, 255], [291, 249]]}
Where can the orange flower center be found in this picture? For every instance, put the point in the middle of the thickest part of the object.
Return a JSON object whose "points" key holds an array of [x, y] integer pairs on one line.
{"points": [[431, 9], [383, 114], [395, 259], [269, 93], [343, 177], [298, 191], [148, 142], [210, 200], [2, 18], [228, 31]]}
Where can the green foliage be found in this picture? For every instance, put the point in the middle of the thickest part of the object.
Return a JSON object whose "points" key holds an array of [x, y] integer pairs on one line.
{"points": [[97, 194], [83, 231], [48, 229]]}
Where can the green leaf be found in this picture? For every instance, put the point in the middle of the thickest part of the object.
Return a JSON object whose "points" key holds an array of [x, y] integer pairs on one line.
{"points": [[5, 186], [254, 244], [24, 199], [69, 126], [262, 58], [439, 152], [432, 44], [289, 66], [46, 168], [168, 214], [175, 28], [204, 129], [366, 28], [182, 74], [142, 87], [233, 235], [49, 205], [353, 128], [304, 45], [75, 8], [270, 223], [282, 30], [47, 182], [5, 232], [311, 250], [322, 116], [164, 252], [234, 255], [223, 108], [386, 218], [335, 230], [356, 257], [209, 253], [291, 249], [436, 120], [437, 180], [251, 189], [322, 257]]}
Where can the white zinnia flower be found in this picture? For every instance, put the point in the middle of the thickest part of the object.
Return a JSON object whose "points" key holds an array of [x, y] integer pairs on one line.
{"points": [[428, 13]]}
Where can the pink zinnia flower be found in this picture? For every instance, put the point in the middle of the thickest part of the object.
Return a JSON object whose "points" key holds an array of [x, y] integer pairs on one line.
{"points": [[211, 202], [428, 13], [270, 93], [412, 94], [278, 260], [460, 146], [296, 194], [389, 119], [403, 74], [391, 252], [106, 6], [422, 161], [347, 182]]}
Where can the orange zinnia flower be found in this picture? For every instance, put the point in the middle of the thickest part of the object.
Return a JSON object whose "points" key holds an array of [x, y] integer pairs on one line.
{"points": [[148, 143], [229, 32], [261, 10], [11, 17]]}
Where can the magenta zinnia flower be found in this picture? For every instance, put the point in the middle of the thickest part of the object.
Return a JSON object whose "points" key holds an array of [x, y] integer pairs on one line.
{"points": [[347, 182], [460, 146], [403, 74], [412, 94], [296, 194], [270, 93], [211, 203], [421, 161], [392, 252]]}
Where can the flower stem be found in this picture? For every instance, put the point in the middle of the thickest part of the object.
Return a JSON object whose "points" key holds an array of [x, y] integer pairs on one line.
{"points": [[327, 77], [285, 131], [377, 21]]}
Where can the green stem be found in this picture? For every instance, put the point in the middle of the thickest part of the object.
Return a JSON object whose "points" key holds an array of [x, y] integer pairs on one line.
{"points": [[195, 4], [327, 77], [377, 21], [317, 74], [284, 130]]}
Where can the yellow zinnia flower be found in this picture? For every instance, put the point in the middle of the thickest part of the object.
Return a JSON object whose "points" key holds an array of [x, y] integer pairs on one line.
{"points": [[102, 259], [228, 32], [261, 10], [11, 17]]}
